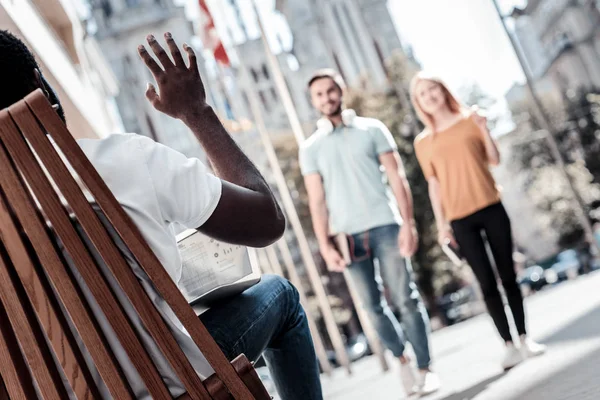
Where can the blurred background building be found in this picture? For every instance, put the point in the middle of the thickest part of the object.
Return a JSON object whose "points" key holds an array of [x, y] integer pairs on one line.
{"points": [[120, 26], [560, 41], [72, 61]]}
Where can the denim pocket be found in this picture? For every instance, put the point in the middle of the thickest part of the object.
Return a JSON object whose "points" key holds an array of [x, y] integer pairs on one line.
{"points": [[359, 246]]}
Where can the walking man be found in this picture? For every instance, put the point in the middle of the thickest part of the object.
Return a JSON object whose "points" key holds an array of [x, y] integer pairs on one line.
{"points": [[349, 195]]}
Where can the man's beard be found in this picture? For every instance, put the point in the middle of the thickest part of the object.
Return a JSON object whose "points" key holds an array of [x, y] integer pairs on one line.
{"points": [[336, 112]]}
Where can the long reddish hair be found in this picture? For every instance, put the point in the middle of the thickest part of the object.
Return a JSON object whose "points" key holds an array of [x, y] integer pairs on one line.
{"points": [[451, 101]]}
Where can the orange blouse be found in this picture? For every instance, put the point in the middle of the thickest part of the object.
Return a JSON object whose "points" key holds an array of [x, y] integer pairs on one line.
{"points": [[457, 158]]}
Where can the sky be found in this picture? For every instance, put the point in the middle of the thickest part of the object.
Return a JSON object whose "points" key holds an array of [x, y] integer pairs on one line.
{"points": [[460, 40]]}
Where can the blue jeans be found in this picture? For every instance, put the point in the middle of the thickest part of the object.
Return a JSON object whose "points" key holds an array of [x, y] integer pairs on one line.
{"points": [[268, 320], [376, 262]]}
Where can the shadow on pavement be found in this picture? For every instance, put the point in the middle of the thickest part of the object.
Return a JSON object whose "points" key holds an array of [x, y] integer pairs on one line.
{"points": [[575, 381], [585, 327], [473, 391]]}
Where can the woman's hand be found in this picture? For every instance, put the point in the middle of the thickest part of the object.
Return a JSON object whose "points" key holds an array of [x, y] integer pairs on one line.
{"points": [[446, 237], [479, 119]]}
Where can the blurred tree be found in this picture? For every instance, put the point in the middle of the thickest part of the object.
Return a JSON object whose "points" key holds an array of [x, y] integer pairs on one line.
{"points": [[578, 138], [473, 95]]}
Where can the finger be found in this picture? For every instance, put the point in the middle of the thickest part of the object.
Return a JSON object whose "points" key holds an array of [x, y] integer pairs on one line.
{"points": [[150, 62], [161, 54], [193, 64], [453, 241], [174, 49], [152, 96]]}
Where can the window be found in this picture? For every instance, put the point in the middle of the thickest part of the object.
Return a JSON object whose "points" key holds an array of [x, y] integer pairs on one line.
{"points": [[274, 94], [254, 74], [263, 100], [265, 71]]}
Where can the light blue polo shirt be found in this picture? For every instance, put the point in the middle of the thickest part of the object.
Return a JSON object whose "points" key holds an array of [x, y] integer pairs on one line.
{"points": [[347, 158]]}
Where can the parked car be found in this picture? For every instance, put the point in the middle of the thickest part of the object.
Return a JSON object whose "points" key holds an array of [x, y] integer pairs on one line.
{"points": [[458, 305], [357, 348], [532, 279], [567, 267]]}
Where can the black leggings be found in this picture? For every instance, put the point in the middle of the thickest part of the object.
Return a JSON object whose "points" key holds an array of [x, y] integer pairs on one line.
{"points": [[494, 221]]}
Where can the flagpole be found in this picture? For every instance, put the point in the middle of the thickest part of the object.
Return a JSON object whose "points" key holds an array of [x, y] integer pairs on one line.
{"points": [[284, 93], [292, 214]]}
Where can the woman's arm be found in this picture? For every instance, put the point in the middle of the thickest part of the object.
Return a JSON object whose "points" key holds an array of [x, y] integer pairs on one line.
{"points": [[444, 230], [491, 151]]}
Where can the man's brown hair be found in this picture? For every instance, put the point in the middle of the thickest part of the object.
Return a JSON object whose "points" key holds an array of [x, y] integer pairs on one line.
{"points": [[328, 73]]}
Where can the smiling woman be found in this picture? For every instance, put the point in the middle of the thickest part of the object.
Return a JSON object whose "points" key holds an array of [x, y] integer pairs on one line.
{"points": [[455, 151]]}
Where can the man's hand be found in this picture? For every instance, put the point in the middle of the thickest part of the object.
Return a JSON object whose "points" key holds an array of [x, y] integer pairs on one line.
{"points": [[408, 239], [334, 260], [180, 89]]}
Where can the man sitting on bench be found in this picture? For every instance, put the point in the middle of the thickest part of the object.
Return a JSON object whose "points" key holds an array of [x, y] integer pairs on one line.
{"points": [[158, 187]]}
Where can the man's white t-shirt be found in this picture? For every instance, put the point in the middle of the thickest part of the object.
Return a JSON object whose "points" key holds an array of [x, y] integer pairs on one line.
{"points": [[158, 187]]}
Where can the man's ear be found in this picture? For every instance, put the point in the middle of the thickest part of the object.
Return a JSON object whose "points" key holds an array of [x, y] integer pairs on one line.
{"points": [[39, 82]]}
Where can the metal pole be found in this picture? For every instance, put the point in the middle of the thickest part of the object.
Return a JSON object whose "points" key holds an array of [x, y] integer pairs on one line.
{"points": [[274, 261], [284, 93], [263, 261], [292, 214], [295, 279], [544, 121]]}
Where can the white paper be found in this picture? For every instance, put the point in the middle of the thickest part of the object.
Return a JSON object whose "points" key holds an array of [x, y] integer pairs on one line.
{"points": [[209, 264]]}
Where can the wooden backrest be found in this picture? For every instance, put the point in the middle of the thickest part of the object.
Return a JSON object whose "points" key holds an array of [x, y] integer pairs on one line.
{"points": [[36, 287]]}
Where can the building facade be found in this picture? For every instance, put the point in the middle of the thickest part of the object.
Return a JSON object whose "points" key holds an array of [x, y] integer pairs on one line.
{"points": [[561, 39], [70, 60], [354, 37]]}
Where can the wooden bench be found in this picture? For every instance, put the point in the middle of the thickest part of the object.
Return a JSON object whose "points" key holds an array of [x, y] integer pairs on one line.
{"points": [[36, 343]]}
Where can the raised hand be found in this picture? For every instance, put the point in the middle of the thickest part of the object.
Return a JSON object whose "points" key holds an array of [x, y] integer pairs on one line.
{"points": [[180, 92]]}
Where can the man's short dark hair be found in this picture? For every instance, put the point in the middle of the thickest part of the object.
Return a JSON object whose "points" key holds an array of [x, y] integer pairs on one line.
{"points": [[332, 74], [17, 65]]}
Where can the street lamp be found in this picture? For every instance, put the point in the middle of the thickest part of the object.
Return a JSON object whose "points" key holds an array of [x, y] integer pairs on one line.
{"points": [[543, 119]]}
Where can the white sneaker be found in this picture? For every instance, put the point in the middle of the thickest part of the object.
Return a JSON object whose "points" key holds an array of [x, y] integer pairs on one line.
{"points": [[529, 348], [428, 382], [512, 356], [407, 376]]}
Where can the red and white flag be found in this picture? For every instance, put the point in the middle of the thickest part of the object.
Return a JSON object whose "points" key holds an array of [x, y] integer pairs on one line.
{"points": [[210, 36]]}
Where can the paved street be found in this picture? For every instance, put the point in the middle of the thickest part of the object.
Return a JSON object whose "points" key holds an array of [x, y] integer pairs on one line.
{"points": [[467, 356]]}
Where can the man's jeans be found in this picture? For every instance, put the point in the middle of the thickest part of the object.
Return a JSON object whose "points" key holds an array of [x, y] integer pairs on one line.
{"points": [[268, 320], [376, 262]]}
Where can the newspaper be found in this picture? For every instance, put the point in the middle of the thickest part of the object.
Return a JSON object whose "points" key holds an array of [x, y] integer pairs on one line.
{"points": [[210, 265]]}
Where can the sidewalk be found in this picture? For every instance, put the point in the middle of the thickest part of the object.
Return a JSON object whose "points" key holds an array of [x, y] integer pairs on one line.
{"points": [[467, 356]]}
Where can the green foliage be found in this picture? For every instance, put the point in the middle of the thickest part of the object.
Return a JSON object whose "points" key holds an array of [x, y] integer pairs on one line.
{"points": [[577, 136], [473, 95]]}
